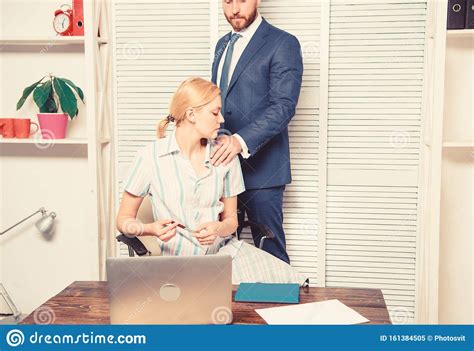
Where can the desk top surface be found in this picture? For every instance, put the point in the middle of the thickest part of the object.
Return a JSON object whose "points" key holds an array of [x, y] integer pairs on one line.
{"points": [[86, 302]]}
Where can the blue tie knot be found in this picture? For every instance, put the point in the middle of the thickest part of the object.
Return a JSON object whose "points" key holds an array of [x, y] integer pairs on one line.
{"points": [[234, 38]]}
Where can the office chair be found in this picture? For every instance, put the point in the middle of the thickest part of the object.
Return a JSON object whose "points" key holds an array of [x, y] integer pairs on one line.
{"points": [[147, 245]]}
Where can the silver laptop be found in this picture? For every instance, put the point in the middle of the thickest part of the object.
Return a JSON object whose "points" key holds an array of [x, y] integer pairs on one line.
{"points": [[170, 290]]}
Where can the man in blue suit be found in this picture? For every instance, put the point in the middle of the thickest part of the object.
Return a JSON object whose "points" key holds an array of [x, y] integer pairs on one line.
{"points": [[259, 69]]}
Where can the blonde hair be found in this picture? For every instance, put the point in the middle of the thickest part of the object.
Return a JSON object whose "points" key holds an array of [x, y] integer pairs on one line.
{"points": [[193, 93]]}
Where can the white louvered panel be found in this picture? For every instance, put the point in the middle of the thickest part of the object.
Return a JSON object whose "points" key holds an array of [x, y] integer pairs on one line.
{"points": [[373, 246], [159, 43], [376, 64], [302, 19]]}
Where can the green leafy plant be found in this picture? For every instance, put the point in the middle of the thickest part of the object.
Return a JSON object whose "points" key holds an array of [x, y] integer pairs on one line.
{"points": [[53, 92]]}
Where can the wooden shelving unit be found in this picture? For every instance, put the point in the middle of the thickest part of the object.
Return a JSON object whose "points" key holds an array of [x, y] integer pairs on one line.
{"points": [[44, 141], [42, 41], [17, 41], [460, 33], [456, 178], [458, 145], [76, 141], [96, 53]]}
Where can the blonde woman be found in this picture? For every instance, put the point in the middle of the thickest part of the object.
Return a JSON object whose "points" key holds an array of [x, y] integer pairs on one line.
{"points": [[194, 203]]}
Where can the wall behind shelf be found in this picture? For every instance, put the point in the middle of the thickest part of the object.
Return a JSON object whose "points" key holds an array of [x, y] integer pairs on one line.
{"points": [[53, 178], [456, 242], [459, 103], [38, 14], [457, 189], [33, 268]]}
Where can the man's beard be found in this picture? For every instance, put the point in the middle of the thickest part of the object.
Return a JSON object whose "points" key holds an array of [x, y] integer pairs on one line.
{"points": [[248, 21]]}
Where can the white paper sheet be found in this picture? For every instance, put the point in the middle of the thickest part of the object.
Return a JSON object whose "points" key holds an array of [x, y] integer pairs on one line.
{"points": [[323, 312]]}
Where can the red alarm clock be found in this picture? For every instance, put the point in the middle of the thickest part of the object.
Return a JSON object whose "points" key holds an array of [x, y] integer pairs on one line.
{"points": [[63, 21]]}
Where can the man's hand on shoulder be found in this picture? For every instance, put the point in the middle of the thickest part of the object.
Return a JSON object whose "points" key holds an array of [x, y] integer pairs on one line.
{"points": [[226, 148]]}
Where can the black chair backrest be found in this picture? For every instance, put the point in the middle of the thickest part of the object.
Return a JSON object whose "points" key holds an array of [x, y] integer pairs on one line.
{"points": [[134, 245]]}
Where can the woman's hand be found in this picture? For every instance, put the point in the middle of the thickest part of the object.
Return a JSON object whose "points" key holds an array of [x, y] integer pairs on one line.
{"points": [[164, 229], [208, 232]]}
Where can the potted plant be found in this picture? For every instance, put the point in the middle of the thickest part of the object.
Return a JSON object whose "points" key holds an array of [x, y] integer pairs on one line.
{"points": [[51, 93]]}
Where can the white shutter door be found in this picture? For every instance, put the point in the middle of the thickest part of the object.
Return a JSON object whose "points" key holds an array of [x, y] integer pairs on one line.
{"points": [[300, 209], [158, 44], [376, 66]]}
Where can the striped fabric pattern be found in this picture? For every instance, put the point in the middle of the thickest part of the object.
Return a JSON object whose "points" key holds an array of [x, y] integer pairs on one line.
{"points": [[161, 171], [252, 265]]}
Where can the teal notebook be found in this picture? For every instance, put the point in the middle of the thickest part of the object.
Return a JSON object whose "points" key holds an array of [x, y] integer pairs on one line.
{"points": [[263, 292]]}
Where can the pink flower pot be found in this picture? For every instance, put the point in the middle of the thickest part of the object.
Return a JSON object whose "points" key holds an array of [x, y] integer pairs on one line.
{"points": [[53, 125]]}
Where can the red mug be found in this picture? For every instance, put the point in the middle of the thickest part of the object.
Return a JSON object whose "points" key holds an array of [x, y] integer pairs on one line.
{"points": [[23, 127], [7, 127]]}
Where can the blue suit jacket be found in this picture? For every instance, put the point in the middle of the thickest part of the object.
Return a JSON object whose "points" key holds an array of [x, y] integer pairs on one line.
{"points": [[261, 100]]}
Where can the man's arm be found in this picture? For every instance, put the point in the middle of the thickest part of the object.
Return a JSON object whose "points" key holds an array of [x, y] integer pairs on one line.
{"points": [[286, 73]]}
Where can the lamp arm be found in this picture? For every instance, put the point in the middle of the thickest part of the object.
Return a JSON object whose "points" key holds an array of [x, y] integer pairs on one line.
{"points": [[9, 302], [42, 210]]}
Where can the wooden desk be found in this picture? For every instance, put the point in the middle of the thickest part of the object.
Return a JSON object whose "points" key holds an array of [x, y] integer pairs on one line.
{"points": [[87, 303]]}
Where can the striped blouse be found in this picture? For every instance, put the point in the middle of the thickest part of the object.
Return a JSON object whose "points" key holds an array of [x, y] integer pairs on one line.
{"points": [[163, 172]]}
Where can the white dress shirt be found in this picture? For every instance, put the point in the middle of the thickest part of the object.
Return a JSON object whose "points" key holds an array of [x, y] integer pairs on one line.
{"points": [[239, 48]]}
